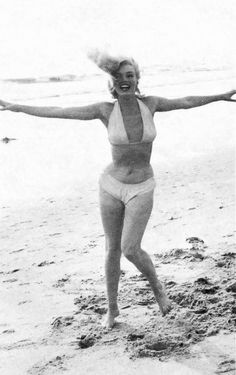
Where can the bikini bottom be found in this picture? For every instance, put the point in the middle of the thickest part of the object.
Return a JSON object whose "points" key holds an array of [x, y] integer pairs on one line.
{"points": [[125, 192]]}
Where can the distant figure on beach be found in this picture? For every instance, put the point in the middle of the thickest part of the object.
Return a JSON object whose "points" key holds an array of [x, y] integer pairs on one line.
{"points": [[127, 184], [7, 140]]}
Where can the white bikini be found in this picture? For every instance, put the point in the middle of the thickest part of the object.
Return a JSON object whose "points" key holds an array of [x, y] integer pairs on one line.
{"points": [[117, 135]]}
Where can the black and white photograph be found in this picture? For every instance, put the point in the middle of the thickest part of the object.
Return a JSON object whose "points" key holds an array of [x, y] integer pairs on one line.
{"points": [[117, 193]]}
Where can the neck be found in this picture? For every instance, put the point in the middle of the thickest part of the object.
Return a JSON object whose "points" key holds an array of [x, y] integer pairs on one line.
{"points": [[128, 104], [129, 100]]}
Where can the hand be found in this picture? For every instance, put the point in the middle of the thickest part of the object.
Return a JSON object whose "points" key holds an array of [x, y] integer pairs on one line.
{"points": [[228, 96], [3, 105]]}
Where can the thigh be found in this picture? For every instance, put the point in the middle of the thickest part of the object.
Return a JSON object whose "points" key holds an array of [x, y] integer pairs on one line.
{"points": [[137, 214], [112, 213]]}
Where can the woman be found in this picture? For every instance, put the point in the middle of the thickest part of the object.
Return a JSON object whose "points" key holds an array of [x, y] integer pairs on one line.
{"points": [[127, 184]]}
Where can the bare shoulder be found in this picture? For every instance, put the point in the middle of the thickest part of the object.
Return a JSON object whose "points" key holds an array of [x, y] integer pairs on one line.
{"points": [[150, 102]]}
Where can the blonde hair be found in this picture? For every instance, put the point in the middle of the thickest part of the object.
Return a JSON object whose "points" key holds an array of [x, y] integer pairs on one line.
{"points": [[111, 65]]}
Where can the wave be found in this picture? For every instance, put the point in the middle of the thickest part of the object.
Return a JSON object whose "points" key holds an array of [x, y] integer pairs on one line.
{"points": [[52, 79], [147, 70]]}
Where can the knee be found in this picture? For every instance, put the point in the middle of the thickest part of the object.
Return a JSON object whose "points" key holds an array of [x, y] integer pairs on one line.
{"points": [[113, 249], [130, 251]]}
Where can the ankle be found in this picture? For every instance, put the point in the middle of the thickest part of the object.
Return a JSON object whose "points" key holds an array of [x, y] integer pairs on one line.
{"points": [[112, 307]]}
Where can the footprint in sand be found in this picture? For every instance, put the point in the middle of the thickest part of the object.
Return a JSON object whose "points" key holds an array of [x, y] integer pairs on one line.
{"points": [[197, 244], [23, 302], [231, 288], [54, 364], [13, 271], [86, 341], [45, 263], [62, 321], [92, 303], [194, 240], [174, 218], [61, 282], [8, 331], [10, 281], [134, 336], [227, 366]]}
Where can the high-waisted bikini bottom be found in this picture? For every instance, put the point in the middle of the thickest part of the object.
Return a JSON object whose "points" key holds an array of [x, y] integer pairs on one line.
{"points": [[125, 192]]}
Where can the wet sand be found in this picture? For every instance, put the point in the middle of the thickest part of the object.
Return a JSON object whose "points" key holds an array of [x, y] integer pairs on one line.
{"points": [[53, 288]]}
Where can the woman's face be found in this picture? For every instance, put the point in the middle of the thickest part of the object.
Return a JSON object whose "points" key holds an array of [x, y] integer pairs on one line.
{"points": [[125, 80]]}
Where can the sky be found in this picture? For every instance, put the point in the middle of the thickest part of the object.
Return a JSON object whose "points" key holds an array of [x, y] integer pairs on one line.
{"points": [[51, 37]]}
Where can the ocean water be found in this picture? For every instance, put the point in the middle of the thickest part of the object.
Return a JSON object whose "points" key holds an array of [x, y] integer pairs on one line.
{"points": [[54, 157]]}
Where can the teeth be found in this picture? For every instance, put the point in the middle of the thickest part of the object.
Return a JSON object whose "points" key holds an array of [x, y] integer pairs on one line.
{"points": [[124, 87]]}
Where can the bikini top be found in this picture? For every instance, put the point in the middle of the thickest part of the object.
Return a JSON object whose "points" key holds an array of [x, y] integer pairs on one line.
{"points": [[117, 134]]}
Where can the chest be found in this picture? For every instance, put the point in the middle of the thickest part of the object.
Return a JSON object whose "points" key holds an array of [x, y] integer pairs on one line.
{"points": [[133, 122], [133, 126]]}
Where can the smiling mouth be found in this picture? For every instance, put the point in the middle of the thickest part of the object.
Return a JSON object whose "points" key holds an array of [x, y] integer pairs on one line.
{"points": [[124, 87]]}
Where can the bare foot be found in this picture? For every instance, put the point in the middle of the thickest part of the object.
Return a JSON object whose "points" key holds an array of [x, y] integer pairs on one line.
{"points": [[109, 320], [164, 303]]}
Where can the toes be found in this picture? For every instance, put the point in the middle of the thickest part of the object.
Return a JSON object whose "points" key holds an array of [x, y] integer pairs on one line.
{"points": [[165, 308], [109, 321]]}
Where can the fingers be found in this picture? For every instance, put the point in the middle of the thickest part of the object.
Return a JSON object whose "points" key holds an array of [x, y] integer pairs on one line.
{"points": [[229, 95], [232, 93], [3, 104]]}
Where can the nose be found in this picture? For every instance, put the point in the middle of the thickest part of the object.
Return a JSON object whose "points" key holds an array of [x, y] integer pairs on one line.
{"points": [[121, 78], [124, 79]]}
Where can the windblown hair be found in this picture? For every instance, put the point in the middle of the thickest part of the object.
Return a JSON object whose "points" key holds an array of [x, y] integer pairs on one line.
{"points": [[111, 65]]}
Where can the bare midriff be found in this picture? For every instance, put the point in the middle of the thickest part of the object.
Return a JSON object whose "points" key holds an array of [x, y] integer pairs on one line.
{"points": [[131, 163]]}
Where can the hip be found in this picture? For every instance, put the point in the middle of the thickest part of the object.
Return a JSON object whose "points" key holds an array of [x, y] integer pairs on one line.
{"points": [[129, 174], [125, 191]]}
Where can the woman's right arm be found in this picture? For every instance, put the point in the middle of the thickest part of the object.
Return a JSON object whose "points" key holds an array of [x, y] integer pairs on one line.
{"points": [[89, 112]]}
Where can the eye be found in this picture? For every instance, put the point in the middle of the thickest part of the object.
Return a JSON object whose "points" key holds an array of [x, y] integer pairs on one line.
{"points": [[115, 76], [130, 75]]}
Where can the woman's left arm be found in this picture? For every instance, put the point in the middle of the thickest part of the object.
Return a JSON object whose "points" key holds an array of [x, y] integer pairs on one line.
{"points": [[163, 104]]}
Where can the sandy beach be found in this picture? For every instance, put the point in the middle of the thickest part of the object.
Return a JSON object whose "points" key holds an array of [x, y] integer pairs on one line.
{"points": [[52, 249], [53, 292]]}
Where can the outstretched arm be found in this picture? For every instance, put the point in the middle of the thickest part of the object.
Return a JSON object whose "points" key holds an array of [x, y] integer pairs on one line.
{"points": [[163, 104], [89, 112]]}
